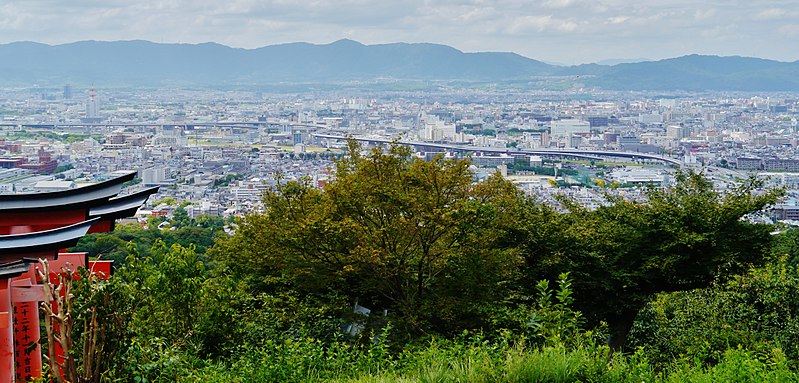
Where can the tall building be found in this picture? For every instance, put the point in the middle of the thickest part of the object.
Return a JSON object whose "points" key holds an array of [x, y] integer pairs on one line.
{"points": [[92, 105], [153, 176], [563, 128], [598, 121], [677, 132], [67, 92]]}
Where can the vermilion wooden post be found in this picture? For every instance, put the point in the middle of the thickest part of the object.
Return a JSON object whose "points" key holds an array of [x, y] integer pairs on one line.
{"points": [[27, 351], [101, 269], [6, 333], [71, 261], [97, 205]]}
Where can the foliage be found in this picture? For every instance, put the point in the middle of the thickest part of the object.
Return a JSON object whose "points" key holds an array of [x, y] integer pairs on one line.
{"points": [[226, 180], [786, 245], [416, 238], [623, 253], [102, 310], [66, 138], [63, 168], [557, 320], [199, 233], [474, 360], [480, 283], [516, 131], [756, 312], [147, 314], [167, 201], [132, 182], [481, 132]]}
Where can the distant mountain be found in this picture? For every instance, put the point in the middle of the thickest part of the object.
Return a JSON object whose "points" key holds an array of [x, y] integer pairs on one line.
{"points": [[698, 72], [147, 63], [143, 63], [611, 62]]}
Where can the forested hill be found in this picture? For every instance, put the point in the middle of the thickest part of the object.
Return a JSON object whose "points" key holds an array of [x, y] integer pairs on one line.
{"points": [[699, 73], [143, 63], [147, 63]]}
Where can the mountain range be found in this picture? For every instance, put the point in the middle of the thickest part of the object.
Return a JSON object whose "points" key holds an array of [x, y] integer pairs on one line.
{"points": [[144, 63]]}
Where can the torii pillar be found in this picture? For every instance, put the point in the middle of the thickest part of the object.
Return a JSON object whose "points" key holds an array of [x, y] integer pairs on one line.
{"points": [[38, 225], [6, 333]]}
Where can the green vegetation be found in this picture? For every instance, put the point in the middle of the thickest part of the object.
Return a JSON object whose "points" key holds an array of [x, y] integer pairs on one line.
{"points": [[132, 182], [132, 239], [622, 254], [465, 282], [225, 181], [518, 131], [481, 132], [63, 168], [66, 138]]}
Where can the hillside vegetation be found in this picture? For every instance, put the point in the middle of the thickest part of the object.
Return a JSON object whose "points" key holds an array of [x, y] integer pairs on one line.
{"points": [[406, 270]]}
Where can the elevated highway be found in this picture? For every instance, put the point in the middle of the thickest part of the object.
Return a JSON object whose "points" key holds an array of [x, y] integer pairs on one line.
{"points": [[219, 124], [576, 153]]}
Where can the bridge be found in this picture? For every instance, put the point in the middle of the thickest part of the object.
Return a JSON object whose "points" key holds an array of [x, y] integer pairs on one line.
{"points": [[576, 153], [219, 124], [420, 145]]}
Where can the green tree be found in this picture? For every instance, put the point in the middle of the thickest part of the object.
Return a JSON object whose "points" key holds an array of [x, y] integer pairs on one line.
{"points": [[63, 168], [104, 246], [756, 311], [682, 237], [417, 238], [786, 245], [208, 221], [180, 218], [176, 284], [199, 237]]}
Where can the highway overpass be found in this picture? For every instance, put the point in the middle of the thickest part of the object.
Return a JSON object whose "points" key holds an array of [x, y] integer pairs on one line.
{"points": [[577, 153]]}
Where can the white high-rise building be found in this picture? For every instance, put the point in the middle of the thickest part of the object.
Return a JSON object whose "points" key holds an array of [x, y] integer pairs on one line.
{"points": [[92, 105], [564, 128], [153, 176]]}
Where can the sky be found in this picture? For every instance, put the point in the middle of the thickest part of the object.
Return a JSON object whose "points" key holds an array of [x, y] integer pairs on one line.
{"points": [[556, 31]]}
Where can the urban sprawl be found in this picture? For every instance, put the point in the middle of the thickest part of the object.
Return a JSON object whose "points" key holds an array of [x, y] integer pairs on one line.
{"points": [[219, 150]]}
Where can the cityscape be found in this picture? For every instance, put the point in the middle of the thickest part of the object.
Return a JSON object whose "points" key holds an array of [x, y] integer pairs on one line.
{"points": [[219, 150], [376, 191]]}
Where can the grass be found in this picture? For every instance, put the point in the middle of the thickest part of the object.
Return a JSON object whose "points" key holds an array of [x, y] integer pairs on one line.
{"points": [[451, 362]]}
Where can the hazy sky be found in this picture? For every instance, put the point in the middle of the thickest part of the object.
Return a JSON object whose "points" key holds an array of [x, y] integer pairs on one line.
{"points": [[565, 31]]}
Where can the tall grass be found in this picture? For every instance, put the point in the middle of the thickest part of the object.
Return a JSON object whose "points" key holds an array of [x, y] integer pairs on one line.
{"points": [[560, 353], [479, 361]]}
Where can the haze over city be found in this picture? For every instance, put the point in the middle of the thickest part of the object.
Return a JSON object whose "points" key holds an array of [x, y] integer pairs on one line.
{"points": [[557, 31]]}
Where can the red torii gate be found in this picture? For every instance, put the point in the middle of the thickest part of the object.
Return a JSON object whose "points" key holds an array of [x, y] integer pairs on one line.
{"points": [[40, 226]]}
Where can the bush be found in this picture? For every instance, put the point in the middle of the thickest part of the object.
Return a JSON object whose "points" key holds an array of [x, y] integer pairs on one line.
{"points": [[757, 312]]}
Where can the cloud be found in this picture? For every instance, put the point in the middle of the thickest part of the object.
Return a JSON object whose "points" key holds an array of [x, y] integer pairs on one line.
{"points": [[618, 19], [538, 24], [704, 14], [771, 14], [790, 30], [560, 3], [558, 30]]}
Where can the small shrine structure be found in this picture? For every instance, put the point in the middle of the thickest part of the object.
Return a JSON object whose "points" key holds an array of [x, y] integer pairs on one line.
{"points": [[42, 226]]}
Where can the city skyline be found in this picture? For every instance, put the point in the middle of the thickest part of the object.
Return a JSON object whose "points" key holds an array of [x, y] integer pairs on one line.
{"points": [[557, 31]]}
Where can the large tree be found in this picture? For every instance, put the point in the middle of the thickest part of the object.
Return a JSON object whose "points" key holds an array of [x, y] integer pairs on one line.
{"points": [[677, 238], [418, 238]]}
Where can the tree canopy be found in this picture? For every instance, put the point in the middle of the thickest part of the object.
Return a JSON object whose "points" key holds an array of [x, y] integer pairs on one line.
{"points": [[447, 264], [418, 238], [621, 254]]}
